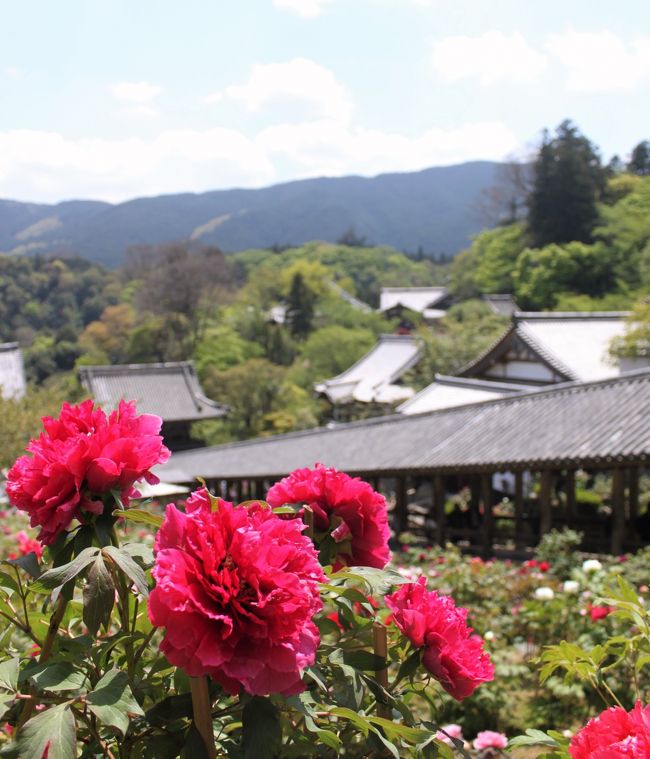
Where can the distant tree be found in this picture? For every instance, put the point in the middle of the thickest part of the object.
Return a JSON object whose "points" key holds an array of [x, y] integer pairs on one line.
{"points": [[504, 201], [497, 251], [352, 239], [639, 162], [300, 307], [568, 180]]}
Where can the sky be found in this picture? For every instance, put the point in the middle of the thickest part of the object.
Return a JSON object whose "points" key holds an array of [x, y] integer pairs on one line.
{"points": [[115, 99]]}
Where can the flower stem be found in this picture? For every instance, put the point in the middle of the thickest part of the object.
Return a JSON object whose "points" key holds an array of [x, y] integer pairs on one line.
{"points": [[380, 647], [46, 650], [202, 708]]}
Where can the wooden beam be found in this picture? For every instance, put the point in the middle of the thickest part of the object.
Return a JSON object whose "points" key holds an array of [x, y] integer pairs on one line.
{"points": [[487, 527], [545, 512], [438, 492], [633, 496], [240, 491], [400, 522], [618, 511], [519, 510]]}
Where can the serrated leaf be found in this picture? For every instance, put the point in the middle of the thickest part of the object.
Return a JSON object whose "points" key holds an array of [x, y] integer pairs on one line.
{"points": [[56, 677], [9, 674], [111, 701], [130, 568], [140, 516], [262, 732], [54, 579], [98, 596], [53, 731]]}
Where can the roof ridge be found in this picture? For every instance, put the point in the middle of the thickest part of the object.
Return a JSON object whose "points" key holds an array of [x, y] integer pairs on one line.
{"points": [[559, 388], [544, 351], [559, 315]]}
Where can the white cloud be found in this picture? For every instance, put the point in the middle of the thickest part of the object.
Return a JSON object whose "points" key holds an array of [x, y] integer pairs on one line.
{"points": [[492, 58], [601, 61], [46, 166], [13, 72], [135, 92], [304, 8], [299, 81]]}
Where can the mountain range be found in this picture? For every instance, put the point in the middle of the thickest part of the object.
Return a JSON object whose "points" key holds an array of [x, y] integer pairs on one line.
{"points": [[434, 211]]}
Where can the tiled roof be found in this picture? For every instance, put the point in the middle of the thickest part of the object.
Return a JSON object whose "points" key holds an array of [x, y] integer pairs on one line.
{"points": [[414, 298], [12, 372], [574, 344], [170, 390], [447, 392], [372, 378], [503, 305], [574, 424]]}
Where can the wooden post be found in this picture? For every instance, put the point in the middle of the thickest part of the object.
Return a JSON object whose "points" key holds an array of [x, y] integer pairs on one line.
{"points": [[519, 509], [401, 511], [438, 492], [240, 491], [380, 648], [374, 483], [487, 531], [633, 501], [618, 511], [202, 709], [571, 496], [545, 513]]}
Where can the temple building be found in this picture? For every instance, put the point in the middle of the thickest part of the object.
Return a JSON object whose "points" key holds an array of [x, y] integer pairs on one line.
{"points": [[430, 302], [12, 371], [169, 390], [447, 392]]}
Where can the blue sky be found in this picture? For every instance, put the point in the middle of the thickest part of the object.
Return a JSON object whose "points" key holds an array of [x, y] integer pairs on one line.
{"points": [[112, 99]]}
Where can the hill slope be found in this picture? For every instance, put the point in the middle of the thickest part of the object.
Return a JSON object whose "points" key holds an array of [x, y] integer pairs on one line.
{"points": [[434, 209]]}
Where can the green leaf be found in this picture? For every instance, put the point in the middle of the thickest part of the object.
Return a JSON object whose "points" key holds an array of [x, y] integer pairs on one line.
{"points": [[139, 551], [9, 674], [99, 596], [533, 738], [409, 666], [364, 660], [52, 730], [7, 584], [56, 677], [54, 579], [170, 709], [194, 748], [29, 563], [112, 701], [6, 702], [262, 732], [140, 516], [132, 570]]}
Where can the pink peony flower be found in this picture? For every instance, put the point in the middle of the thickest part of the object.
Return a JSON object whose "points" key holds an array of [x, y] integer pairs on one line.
{"points": [[446, 733], [80, 457], [26, 545], [347, 512], [490, 739], [236, 590], [452, 654], [614, 734], [599, 612]]}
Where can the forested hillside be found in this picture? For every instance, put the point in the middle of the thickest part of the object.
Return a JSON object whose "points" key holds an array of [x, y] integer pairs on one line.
{"points": [[435, 211], [190, 301]]}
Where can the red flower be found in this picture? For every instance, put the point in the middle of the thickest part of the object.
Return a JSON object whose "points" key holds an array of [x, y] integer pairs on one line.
{"points": [[347, 511], [236, 590], [599, 612], [26, 545], [80, 457], [544, 566], [614, 734], [452, 654]]}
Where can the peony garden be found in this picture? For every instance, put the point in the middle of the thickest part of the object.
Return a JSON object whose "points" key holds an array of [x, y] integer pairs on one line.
{"points": [[296, 626]]}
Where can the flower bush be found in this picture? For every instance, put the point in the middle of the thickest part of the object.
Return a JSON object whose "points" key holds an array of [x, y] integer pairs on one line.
{"points": [[278, 629]]}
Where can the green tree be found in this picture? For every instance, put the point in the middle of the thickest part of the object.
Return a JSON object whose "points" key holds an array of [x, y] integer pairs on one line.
{"points": [[639, 162], [541, 274], [300, 307], [330, 351], [497, 251], [568, 180]]}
